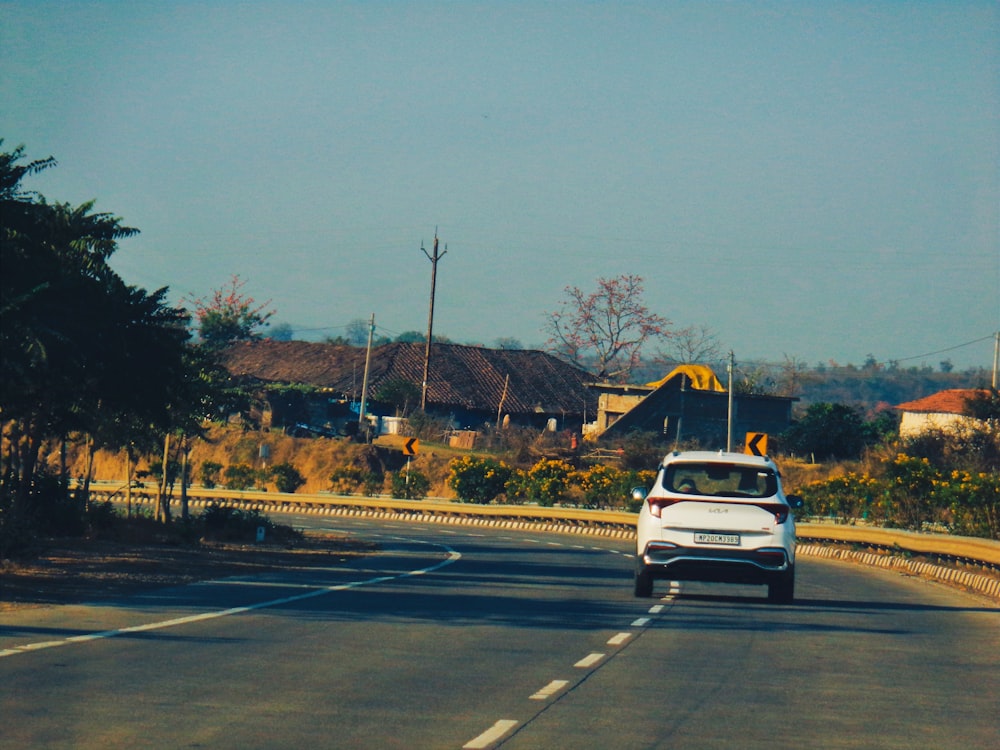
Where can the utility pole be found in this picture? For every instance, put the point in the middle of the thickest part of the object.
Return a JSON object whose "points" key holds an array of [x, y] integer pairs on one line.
{"points": [[430, 316], [729, 417], [996, 357], [364, 381]]}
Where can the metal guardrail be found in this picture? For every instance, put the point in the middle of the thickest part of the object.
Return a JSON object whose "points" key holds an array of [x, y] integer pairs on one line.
{"points": [[960, 548], [892, 547], [604, 522]]}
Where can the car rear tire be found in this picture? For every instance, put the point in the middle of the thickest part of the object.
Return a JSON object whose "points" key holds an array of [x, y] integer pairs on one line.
{"points": [[643, 584], [782, 590]]}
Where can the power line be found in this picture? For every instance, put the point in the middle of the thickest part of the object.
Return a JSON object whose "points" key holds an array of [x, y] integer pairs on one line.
{"points": [[944, 351], [765, 363]]}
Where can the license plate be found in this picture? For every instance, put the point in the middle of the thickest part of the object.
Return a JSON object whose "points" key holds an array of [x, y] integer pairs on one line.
{"points": [[702, 537]]}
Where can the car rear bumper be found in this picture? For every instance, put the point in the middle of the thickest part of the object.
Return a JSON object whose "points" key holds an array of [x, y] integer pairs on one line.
{"points": [[664, 560]]}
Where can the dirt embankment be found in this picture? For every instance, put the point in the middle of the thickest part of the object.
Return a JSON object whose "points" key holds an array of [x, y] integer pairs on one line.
{"points": [[314, 458]]}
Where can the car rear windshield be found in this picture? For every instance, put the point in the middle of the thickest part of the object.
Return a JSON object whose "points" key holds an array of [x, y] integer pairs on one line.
{"points": [[720, 480]]}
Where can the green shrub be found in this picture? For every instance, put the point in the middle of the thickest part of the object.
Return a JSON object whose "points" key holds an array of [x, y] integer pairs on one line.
{"points": [[974, 501], [846, 497], [103, 517], [608, 487], [516, 487], [240, 477], [911, 494], [910, 501], [224, 524], [641, 450], [54, 510], [477, 479], [346, 480], [547, 482], [372, 482], [209, 474], [173, 471], [412, 485], [287, 477]]}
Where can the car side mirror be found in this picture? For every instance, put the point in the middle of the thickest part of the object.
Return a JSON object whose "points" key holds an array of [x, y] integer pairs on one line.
{"points": [[639, 493], [794, 501]]}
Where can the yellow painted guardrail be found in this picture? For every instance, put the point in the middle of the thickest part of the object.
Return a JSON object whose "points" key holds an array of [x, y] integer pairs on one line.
{"points": [[973, 549]]}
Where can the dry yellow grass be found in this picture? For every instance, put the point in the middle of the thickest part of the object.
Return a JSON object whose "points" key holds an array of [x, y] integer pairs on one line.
{"points": [[314, 458], [317, 458]]}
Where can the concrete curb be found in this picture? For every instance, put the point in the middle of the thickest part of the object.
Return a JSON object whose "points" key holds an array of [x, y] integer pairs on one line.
{"points": [[978, 582]]}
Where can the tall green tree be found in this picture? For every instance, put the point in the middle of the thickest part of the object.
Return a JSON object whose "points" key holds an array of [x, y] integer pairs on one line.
{"points": [[80, 350], [828, 431]]}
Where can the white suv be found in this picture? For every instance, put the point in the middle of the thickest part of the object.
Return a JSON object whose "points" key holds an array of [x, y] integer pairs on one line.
{"points": [[717, 517]]}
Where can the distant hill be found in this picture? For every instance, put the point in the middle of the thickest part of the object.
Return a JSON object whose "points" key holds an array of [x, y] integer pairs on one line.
{"points": [[871, 387]]}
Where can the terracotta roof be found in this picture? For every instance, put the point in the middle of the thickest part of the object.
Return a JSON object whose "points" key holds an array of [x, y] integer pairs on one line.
{"points": [[460, 376], [944, 402]]}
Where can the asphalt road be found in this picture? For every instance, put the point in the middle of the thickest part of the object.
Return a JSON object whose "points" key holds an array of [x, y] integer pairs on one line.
{"points": [[457, 638]]}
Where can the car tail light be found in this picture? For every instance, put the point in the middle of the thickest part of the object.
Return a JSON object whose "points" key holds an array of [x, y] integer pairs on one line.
{"points": [[780, 511], [657, 504]]}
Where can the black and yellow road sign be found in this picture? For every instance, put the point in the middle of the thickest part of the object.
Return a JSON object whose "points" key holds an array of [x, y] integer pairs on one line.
{"points": [[756, 444]]}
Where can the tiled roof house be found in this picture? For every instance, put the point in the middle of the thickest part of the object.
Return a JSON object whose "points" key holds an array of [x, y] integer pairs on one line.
{"points": [[472, 384], [944, 410]]}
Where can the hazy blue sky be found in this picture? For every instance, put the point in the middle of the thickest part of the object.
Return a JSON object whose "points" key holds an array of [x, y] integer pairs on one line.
{"points": [[815, 180]]}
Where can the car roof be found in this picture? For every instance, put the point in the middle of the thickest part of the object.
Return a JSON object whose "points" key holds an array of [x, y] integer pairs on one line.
{"points": [[743, 459]]}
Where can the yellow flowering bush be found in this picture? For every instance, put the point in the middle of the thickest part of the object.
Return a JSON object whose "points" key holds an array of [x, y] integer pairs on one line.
{"points": [[912, 499], [598, 483], [547, 482], [608, 487], [913, 494], [850, 496], [974, 502], [478, 479]]}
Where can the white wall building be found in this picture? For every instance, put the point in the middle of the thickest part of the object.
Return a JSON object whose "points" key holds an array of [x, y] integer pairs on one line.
{"points": [[944, 411]]}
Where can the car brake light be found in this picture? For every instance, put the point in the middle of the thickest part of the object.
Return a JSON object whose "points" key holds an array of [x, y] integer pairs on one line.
{"points": [[780, 511], [657, 504]]}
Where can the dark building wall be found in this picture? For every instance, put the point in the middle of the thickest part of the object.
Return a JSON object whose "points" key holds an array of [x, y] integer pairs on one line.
{"points": [[684, 415]]}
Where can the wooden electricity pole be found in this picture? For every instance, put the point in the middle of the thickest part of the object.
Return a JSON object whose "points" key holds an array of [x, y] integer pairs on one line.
{"points": [[996, 357], [364, 383], [729, 417], [430, 316]]}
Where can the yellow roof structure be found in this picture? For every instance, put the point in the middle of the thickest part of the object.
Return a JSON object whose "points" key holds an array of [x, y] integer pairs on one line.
{"points": [[701, 378]]}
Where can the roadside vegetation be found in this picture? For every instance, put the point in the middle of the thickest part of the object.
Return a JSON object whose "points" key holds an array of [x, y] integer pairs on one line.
{"points": [[100, 379], [941, 481]]}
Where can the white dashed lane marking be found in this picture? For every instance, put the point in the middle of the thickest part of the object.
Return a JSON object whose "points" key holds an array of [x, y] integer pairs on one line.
{"points": [[311, 592], [491, 735], [589, 660], [549, 690]]}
